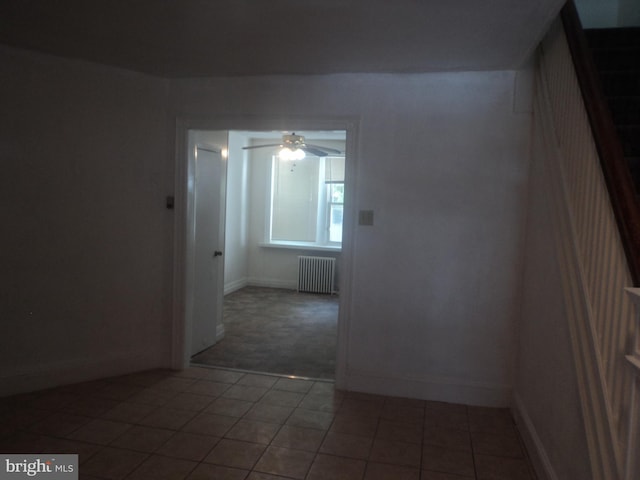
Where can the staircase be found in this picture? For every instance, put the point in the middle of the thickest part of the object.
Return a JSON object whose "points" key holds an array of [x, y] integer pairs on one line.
{"points": [[616, 52]]}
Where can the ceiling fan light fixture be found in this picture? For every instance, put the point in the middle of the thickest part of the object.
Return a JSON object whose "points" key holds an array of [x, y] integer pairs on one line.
{"points": [[287, 154]]}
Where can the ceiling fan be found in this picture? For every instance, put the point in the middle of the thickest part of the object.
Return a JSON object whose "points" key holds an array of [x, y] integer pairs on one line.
{"points": [[294, 147]]}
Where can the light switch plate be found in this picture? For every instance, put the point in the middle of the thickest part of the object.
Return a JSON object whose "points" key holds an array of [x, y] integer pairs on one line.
{"points": [[365, 217]]}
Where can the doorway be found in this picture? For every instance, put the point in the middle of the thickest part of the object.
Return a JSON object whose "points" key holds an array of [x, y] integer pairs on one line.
{"points": [[272, 269]]}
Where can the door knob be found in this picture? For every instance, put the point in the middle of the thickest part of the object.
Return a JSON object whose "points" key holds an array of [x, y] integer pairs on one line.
{"points": [[217, 253]]}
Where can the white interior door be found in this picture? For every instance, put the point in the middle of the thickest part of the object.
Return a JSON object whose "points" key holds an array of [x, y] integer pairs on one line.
{"points": [[209, 180]]}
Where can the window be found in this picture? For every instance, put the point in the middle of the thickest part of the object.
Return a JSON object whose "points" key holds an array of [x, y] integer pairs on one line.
{"points": [[307, 201]]}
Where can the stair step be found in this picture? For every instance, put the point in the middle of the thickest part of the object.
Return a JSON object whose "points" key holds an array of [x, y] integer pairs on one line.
{"points": [[630, 139], [621, 84], [613, 37], [618, 59], [625, 110]]}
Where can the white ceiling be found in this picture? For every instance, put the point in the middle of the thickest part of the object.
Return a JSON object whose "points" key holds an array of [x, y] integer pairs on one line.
{"points": [[185, 38]]}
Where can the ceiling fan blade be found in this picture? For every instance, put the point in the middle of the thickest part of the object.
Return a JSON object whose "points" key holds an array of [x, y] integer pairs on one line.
{"points": [[325, 149], [271, 145], [314, 151]]}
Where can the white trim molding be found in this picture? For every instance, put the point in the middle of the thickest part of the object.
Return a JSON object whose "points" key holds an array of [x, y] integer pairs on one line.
{"points": [[632, 464], [535, 446], [430, 387], [179, 350], [39, 377]]}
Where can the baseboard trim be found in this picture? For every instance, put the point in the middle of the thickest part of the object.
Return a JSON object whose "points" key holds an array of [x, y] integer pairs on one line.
{"points": [[441, 389], [235, 285], [535, 447], [272, 283], [39, 377]]}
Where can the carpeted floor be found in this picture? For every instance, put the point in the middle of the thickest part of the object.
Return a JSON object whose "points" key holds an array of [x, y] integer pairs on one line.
{"points": [[273, 330]]}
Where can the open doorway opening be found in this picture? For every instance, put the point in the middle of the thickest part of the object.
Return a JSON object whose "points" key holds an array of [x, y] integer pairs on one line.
{"points": [[279, 209]]}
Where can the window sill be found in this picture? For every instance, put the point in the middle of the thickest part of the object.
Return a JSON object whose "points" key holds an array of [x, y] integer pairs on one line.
{"points": [[302, 246]]}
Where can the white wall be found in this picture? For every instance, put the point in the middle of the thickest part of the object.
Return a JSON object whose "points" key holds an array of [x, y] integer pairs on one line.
{"points": [[546, 390], [442, 162], [86, 280], [236, 262]]}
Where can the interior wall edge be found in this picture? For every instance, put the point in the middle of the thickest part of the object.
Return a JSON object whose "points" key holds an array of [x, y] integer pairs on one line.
{"points": [[534, 445], [49, 375], [433, 388]]}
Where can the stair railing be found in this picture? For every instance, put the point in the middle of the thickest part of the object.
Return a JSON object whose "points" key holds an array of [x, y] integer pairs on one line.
{"points": [[614, 166], [592, 255]]}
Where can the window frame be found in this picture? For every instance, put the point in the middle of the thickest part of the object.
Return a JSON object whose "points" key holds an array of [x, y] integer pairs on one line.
{"points": [[323, 212]]}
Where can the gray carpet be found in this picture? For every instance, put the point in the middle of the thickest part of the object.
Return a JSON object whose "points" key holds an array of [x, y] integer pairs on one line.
{"points": [[277, 331]]}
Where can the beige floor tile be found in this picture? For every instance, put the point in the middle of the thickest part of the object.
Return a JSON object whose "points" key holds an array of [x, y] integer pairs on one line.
{"points": [[157, 467], [450, 438], [143, 439], [153, 397], [269, 413], [363, 426], [208, 424], [233, 453], [326, 467], [356, 406], [170, 418], [293, 385], [299, 438], [501, 468], [53, 400], [188, 446], [447, 418], [321, 402], [402, 413], [429, 475], [113, 463], [444, 407], [221, 375], [229, 407], [208, 387], [174, 384], [263, 476], [396, 453], [285, 462], [256, 380], [59, 423], [100, 431], [444, 460], [324, 388], [253, 431], [129, 412], [400, 432], [310, 419], [497, 423], [283, 398], [89, 406], [118, 391], [500, 445], [206, 471], [189, 401], [245, 392], [381, 471], [345, 445]]}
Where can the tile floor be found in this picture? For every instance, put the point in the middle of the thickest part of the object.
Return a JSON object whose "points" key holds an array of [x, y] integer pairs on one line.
{"points": [[207, 423]]}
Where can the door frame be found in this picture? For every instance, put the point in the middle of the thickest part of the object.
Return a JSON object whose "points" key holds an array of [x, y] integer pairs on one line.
{"points": [[180, 357]]}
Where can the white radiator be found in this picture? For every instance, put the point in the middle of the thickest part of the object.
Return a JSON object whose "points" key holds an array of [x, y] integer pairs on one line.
{"points": [[315, 274]]}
